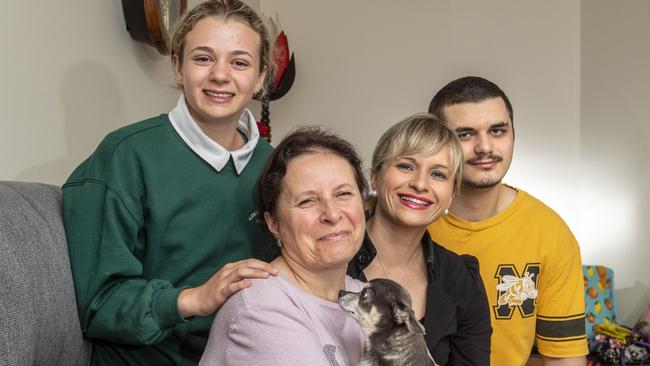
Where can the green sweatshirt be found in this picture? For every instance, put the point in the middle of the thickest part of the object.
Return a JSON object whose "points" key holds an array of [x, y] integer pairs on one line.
{"points": [[145, 218]]}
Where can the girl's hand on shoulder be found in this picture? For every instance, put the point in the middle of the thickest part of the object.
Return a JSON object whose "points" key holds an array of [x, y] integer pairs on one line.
{"points": [[208, 298]]}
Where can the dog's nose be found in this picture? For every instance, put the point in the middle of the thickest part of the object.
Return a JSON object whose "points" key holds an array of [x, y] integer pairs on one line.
{"points": [[342, 293]]}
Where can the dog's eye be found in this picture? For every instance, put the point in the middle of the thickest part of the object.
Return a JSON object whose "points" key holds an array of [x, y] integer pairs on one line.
{"points": [[366, 293]]}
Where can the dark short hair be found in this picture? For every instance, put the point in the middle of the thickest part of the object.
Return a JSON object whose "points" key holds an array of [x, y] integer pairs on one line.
{"points": [[468, 89], [304, 140]]}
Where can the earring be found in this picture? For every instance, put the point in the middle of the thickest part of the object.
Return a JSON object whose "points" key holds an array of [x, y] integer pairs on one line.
{"points": [[446, 211], [179, 84], [279, 243]]}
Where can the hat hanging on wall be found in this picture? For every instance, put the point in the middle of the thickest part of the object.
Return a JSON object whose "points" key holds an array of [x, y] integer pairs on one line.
{"points": [[285, 74], [151, 21]]}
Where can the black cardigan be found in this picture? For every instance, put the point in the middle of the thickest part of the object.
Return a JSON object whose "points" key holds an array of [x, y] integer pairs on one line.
{"points": [[457, 318]]}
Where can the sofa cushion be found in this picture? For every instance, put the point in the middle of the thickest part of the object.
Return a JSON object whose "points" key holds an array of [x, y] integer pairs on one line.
{"points": [[39, 324]]}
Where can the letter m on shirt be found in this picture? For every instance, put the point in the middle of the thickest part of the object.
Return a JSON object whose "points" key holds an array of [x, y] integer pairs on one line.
{"points": [[516, 290]]}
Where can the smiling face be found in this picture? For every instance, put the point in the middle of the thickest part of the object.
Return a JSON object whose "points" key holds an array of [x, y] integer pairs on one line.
{"points": [[220, 70], [414, 190], [319, 213], [485, 133]]}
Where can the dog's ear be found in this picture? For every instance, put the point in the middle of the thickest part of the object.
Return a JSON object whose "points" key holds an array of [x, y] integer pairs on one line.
{"points": [[403, 314]]}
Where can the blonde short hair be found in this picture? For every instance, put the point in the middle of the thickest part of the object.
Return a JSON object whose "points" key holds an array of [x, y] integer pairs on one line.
{"points": [[421, 133]]}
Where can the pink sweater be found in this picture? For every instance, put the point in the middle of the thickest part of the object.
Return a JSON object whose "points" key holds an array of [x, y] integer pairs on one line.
{"points": [[276, 323]]}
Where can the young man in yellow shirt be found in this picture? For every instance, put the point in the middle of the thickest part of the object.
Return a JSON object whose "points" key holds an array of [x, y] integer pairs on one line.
{"points": [[529, 259]]}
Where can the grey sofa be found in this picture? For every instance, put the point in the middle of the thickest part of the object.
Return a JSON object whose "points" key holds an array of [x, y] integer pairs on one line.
{"points": [[39, 324]]}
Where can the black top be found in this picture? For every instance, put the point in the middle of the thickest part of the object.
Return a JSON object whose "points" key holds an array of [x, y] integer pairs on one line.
{"points": [[457, 317]]}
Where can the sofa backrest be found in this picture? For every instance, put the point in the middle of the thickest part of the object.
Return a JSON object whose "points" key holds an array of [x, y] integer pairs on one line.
{"points": [[39, 324]]}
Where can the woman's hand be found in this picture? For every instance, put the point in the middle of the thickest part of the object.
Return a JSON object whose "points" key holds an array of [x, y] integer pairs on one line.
{"points": [[208, 298]]}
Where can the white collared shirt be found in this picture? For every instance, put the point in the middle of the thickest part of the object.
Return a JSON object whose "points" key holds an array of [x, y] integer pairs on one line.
{"points": [[210, 151]]}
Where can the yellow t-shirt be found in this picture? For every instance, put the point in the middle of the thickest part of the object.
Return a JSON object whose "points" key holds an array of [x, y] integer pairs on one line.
{"points": [[531, 267]]}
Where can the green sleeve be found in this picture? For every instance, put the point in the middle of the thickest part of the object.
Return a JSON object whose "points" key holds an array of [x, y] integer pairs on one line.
{"points": [[115, 301]]}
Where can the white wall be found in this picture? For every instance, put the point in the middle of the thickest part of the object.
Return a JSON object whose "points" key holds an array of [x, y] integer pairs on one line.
{"points": [[363, 65], [70, 76], [615, 129]]}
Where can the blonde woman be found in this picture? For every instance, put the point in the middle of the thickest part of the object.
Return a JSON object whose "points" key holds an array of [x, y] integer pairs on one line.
{"points": [[416, 167]]}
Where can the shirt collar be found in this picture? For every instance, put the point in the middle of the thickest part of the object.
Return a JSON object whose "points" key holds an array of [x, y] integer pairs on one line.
{"points": [[206, 148], [368, 252], [429, 255]]}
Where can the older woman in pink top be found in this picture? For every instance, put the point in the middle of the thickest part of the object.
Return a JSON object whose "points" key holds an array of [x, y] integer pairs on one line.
{"points": [[310, 195]]}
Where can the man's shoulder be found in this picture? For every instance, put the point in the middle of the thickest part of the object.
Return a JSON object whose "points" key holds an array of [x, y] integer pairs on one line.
{"points": [[460, 267], [447, 257], [531, 205]]}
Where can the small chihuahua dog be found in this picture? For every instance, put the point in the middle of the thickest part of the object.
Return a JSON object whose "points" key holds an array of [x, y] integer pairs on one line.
{"points": [[393, 336]]}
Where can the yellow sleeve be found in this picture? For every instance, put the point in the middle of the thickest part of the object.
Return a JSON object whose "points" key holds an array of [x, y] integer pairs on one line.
{"points": [[560, 326]]}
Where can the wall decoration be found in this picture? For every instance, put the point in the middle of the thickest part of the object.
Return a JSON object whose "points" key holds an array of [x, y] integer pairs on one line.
{"points": [[151, 21], [285, 74]]}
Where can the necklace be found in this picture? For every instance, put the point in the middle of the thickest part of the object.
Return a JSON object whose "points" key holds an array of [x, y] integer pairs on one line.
{"points": [[403, 273]]}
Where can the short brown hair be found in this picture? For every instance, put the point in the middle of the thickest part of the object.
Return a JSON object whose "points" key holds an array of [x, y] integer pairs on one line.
{"points": [[468, 89]]}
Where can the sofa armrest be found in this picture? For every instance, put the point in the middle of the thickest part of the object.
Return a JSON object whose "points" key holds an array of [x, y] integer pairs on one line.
{"points": [[39, 320]]}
